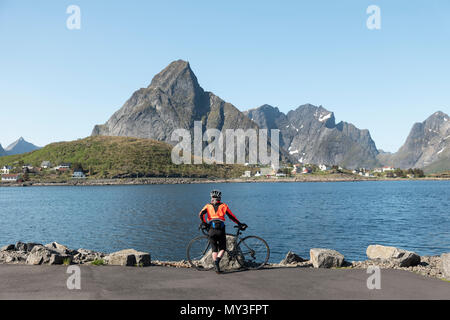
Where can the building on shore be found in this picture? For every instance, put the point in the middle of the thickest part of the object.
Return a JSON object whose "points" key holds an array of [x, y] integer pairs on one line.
{"points": [[5, 170], [11, 177], [78, 174], [46, 164], [247, 174]]}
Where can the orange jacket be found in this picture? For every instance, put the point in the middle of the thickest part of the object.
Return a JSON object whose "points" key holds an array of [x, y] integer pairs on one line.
{"points": [[216, 212]]}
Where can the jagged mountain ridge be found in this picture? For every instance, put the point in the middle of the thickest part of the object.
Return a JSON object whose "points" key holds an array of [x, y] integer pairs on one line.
{"points": [[311, 135], [174, 99]]}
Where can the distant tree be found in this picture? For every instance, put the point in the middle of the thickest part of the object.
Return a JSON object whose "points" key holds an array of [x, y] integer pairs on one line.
{"points": [[400, 173], [419, 173], [77, 166]]}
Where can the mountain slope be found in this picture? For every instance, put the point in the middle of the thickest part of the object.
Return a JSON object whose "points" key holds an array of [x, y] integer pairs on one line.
{"points": [[20, 146], [427, 145], [311, 135], [2, 151], [113, 157], [173, 100]]}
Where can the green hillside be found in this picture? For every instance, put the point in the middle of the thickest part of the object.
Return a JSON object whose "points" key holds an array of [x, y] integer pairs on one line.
{"points": [[119, 157]]}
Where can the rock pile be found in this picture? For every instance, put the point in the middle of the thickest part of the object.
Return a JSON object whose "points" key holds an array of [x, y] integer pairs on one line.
{"points": [[57, 254]]}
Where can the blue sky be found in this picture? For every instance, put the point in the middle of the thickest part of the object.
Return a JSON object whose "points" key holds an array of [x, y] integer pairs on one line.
{"points": [[56, 83]]}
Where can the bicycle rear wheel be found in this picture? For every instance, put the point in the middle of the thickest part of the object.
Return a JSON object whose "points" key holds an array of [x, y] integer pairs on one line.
{"points": [[254, 252], [198, 254]]}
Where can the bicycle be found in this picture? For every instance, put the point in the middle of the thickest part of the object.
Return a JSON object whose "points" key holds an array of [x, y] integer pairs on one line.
{"points": [[251, 252]]}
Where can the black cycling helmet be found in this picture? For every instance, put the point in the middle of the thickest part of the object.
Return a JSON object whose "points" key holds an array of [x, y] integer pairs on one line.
{"points": [[216, 194]]}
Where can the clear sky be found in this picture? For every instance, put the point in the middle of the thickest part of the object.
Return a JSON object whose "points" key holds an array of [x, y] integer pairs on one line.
{"points": [[56, 83]]}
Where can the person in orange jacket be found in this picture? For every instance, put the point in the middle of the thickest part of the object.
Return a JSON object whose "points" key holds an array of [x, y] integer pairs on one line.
{"points": [[215, 213]]}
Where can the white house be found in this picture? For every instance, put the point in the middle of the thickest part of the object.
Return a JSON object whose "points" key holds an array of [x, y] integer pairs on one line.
{"points": [[78, 175], [247, 174], [5, 170], [46, 164], [258, 174], [323, 167], [388, 168], [11, 177]]}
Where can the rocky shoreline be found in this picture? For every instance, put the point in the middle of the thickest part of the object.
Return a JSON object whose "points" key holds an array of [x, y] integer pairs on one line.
{"points": [[148, 181], [380, 256]]}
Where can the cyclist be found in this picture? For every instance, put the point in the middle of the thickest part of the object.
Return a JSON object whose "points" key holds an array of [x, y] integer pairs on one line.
{"points": [[215, 221]]}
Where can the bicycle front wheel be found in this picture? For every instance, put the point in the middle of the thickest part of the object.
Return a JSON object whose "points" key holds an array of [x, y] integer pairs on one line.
{"points": [[199, 254], [254, 252]]}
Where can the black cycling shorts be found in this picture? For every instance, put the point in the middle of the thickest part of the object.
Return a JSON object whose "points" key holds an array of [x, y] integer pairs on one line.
{"points": [[217, 239]]}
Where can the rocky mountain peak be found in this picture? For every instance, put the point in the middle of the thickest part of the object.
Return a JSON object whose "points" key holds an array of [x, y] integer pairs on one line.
{"points": [[20, 146], [177, 78]]}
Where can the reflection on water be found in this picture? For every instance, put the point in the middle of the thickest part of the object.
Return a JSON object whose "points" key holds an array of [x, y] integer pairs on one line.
{"points": [[161, 219]]}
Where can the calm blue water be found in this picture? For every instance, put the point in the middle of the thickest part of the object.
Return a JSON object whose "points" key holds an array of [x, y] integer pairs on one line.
{"points": [[161, 219]]}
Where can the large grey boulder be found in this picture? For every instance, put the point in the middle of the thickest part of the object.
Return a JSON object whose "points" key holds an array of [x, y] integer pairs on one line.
{"points": [[39, 255], [43, 255], [225, 263], [61, 249], [128, 257], [398, 257], [27, 247], [445, 257], [291, 258], [326, 258]]}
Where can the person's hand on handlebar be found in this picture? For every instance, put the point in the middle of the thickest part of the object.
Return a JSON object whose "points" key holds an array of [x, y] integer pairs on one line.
{"points": [[204, 225], [242, 226]]}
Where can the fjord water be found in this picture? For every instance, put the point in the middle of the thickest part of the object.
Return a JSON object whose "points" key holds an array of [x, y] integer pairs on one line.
{"points": [[161, 219]]}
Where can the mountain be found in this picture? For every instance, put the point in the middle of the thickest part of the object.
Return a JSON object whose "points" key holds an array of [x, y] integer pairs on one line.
{"points": [[20, 146], [311, 135], [2, 151], [173, 100], [427, 145]]}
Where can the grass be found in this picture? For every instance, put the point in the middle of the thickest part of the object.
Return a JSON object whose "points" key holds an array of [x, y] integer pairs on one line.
{"points": [[98, 262], [67, 261], [116, 157]]}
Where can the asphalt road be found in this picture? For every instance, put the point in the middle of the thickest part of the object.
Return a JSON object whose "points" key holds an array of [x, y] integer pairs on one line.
{"points": [[108, 282]]}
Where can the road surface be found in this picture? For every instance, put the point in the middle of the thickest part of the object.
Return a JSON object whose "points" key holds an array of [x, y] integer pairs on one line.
{"points": [[155, 282]]}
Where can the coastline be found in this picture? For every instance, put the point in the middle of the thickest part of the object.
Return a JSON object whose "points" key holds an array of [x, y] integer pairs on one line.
{"points": [[173, 180], [383, 257]]}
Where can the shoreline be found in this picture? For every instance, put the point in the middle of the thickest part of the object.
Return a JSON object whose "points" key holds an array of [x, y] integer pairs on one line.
{"points": [[383, 257], [172, 180]]}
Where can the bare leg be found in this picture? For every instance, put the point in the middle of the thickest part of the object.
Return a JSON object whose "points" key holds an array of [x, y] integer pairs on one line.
{"points": [[220, 255], [214, 256]]}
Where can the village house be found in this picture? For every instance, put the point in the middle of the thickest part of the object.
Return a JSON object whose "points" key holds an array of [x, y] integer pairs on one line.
{"points": [[11, 177], [46, 164], [388, 168], [296, 169], [306, 170], [5, 170], [247, 174], [324, 167], [78, 174]]}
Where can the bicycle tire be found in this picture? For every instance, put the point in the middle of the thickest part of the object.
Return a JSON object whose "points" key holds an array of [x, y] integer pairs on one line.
{"points": [[195, 258], [247, 254]]}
